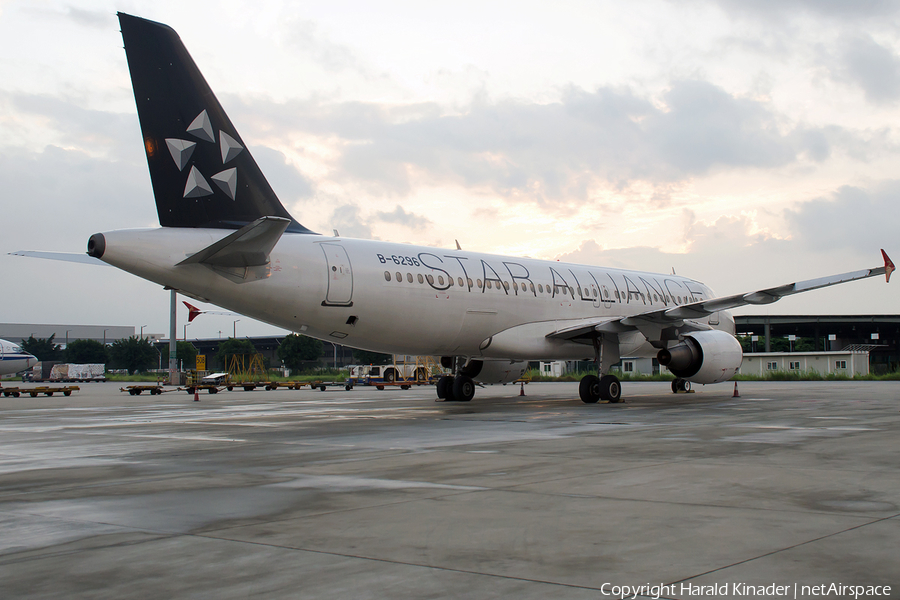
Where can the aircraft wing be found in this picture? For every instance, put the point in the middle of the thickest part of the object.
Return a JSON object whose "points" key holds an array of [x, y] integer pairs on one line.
{"points": [[666, 323]]}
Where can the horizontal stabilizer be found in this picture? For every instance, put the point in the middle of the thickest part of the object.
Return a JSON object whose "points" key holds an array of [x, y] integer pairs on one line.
{"points": [[63, 256], [249, 246]]}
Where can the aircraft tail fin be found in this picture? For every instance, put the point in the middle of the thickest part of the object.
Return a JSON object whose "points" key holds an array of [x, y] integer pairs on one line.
{"points": [[202, 172]]}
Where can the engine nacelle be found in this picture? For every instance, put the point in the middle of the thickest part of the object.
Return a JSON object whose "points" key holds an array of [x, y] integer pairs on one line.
{"points": [[704, 357], [495, 371]]}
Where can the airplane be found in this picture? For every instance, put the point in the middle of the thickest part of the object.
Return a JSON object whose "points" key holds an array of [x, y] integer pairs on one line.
{"points": [[225, 238], [13, 359]]}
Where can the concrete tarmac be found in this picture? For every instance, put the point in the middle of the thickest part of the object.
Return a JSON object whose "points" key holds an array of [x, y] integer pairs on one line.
{"points": [[390, 494]]}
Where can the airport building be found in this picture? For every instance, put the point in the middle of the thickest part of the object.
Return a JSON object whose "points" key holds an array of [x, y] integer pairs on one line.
{"points": [[18, 332]]}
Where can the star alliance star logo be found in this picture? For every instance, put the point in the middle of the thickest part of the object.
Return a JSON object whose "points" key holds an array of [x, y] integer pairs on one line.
{"points": [[181, 150]]}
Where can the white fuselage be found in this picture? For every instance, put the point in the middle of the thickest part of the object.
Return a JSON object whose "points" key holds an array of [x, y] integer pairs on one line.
{"points": [[13, 359], [399, 298]]}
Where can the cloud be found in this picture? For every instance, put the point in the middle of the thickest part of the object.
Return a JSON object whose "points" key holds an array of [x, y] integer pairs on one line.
{"points": [[91, 18], [401, 217], [286, 180], [305, 36], [871, 66], [851, 217], [58, 186], [348, 220], [555, 151], [99, 132], [835, 9]]}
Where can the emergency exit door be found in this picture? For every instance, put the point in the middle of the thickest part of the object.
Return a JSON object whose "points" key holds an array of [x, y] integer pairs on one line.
{"points": [[340, 276]]}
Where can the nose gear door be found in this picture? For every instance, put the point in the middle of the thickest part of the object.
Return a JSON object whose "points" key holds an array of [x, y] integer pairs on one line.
{"points": [[340, 276]]}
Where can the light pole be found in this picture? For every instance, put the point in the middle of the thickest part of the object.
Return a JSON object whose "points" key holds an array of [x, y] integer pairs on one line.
{"points": [[185, 331], [67, 338], [234, 333], [142, 331], [104, 336]]}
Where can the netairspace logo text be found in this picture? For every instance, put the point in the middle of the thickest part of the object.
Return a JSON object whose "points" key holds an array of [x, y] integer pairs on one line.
{"points": [[772, 590]]}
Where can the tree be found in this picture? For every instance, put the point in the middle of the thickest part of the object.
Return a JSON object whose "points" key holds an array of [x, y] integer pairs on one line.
{"points": [[42, 349], [86, 352], [134, 354], [297, 349], [186, 354], [233, 346], [364, 357]]}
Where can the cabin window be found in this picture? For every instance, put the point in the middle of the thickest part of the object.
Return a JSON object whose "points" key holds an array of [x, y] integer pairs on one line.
{"points": [[460, 281], [595, 293], [531, 285], [506, 285], [409, 277], [617, 295], [398, 276], [488, 284], [387, 275], [449, 281], [441, 280], [571, 291], [430, 279], [655, 298], [678, 301], [478, 281], [587, 293], [469, 281], [606, 293], [420, 278], [541, 288]]}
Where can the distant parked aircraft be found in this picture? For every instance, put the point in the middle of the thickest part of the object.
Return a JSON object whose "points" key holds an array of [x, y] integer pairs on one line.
{"points": [[13, 359]]}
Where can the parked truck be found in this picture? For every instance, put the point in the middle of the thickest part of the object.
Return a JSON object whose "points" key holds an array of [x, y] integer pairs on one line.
{"points": [[404, 371], [56, 371]]}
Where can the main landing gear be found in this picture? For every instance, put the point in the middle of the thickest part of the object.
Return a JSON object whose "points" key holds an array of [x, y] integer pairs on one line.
{"points": [[606, 387], [593, 388], [680, 385], [459, 388]]}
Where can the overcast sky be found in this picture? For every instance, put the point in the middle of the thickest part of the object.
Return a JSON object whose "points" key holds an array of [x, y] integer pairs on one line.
{"points": [[743, 144]]}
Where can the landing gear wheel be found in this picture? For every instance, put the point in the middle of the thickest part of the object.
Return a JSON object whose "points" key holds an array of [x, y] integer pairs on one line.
{"points": [[681, 385], [589, 389], [611, 388], [445, 387], [463, 388]]}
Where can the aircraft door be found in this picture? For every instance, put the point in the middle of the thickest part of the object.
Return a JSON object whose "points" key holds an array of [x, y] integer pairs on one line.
{"points": [[340, 276]]}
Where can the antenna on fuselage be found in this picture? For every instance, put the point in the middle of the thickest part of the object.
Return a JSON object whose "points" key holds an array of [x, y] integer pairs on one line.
{"points": [[458, 247]]}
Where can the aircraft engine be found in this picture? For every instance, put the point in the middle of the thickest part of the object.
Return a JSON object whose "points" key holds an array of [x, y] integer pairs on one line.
{"points": [[495, 371], [704, 357]]}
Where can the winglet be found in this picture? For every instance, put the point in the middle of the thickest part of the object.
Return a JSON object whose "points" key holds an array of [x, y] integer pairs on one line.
{"points": [[193, 311], [888, 266]]}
